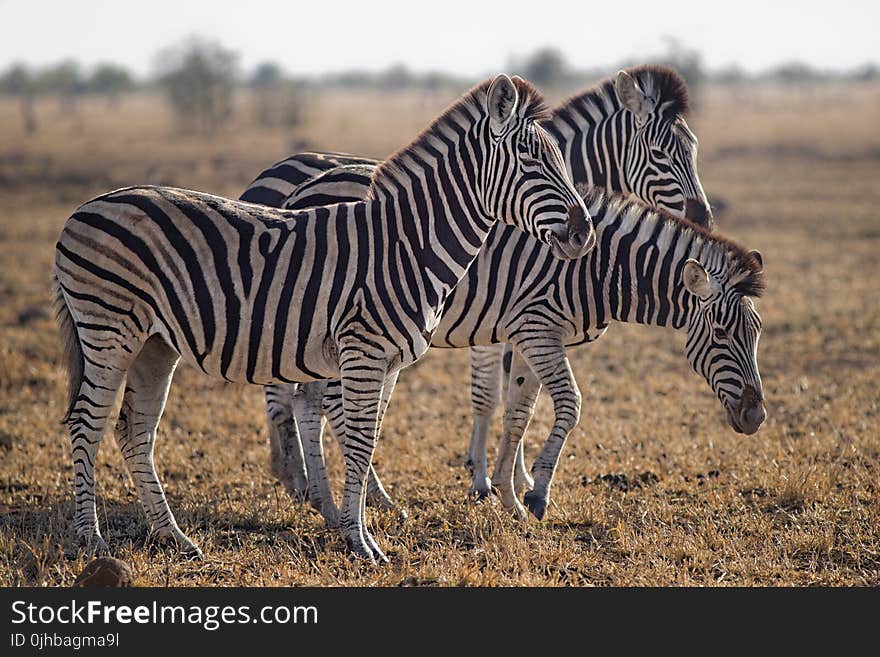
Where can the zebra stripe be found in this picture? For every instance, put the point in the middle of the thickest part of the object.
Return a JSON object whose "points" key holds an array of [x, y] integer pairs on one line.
{"points": [[146, 276], [274, 185]]}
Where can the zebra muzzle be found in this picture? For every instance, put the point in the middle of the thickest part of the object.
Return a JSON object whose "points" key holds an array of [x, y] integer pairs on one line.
{"points": [[580, 238], [699, 212], [750, 413]]}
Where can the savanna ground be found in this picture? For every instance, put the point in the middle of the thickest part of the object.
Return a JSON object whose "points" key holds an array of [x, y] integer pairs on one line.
{"points": [[653, 489]]}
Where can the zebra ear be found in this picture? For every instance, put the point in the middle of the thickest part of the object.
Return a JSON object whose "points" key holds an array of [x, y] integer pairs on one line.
{"points": [[758, 257], [501, 102], [631, 95], [696, 279]]}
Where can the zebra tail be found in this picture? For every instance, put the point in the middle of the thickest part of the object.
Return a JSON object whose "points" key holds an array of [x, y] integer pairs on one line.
{"points": [[71, 348]]}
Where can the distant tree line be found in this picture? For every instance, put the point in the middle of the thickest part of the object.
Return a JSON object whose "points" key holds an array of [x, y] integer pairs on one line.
{"points": [[200, 79], [65, 80]]}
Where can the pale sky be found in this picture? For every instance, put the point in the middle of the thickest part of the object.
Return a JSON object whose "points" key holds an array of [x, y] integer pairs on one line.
{"points": [[469, 37]]}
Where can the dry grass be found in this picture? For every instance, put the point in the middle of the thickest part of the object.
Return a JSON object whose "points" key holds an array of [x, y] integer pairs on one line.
{"points": [[653, 489]]}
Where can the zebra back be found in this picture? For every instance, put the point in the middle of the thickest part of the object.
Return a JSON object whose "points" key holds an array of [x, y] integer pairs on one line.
{"points": [[280, 180]]}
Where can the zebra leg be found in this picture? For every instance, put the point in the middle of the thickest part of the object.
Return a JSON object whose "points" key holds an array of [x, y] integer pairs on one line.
{"points": [[307, 406], [485, 394], [276, 410], [363, 378], [286, 460], [519, 405], [146, 390], [87, 422], [554, 371], [522, 480], [376, 494]]}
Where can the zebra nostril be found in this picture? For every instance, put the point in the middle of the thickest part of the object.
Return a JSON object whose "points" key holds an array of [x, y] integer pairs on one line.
{"points": [[753, 417], [699, 212], [757, 415]]}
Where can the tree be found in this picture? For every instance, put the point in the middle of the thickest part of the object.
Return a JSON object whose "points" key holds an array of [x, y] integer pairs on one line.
{"points": [[866, 72], [276, 101], [546, 67], [199, 77], [18, 81], [795, 73], [732, 74], [395, 77], [110, 80], [268, 75], [64, 79]]}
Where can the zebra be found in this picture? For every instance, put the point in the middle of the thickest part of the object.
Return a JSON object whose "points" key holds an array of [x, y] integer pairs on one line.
{"points": [[679, 275], [626, 134], [145, 276]]}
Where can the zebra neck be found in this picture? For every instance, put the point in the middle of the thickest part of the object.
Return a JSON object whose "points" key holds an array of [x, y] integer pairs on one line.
{"points": [[636, 270], [593, 138], [437, 222]]}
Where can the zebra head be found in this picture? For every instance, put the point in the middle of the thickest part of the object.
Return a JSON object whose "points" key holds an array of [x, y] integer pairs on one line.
{"points": [[722, 338], [526, 183], [661, 157]]}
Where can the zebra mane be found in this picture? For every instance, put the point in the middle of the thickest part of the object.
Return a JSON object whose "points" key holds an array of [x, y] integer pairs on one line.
{"points": [[737, 265], [661, 82], [531, 107]]}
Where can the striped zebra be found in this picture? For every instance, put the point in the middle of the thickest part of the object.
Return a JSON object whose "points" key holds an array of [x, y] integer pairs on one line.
{"points": [[145, 276], [648, 267], [626, 134]]}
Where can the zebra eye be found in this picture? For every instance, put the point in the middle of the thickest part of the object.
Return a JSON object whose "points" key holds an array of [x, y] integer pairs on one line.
{"points": [[720, 334], [529, 161], [658, 154]]}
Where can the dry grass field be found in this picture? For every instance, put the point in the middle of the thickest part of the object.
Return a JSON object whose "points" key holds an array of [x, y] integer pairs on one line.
{"points": [[653, 489]]}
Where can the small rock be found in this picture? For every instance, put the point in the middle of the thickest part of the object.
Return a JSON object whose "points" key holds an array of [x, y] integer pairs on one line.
{"points": [[5, 441], [104, 572]]}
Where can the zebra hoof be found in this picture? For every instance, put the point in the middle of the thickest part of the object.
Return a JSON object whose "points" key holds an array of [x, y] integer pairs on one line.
{"points": [[361, 552], [536, 504], [480, 490], [478, 495], [185, 547], [192, 553], [95, 546]]}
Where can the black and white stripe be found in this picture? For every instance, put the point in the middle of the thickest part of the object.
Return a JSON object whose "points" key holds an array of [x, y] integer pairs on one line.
{"points": [[146, 276], [274, 185]]}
